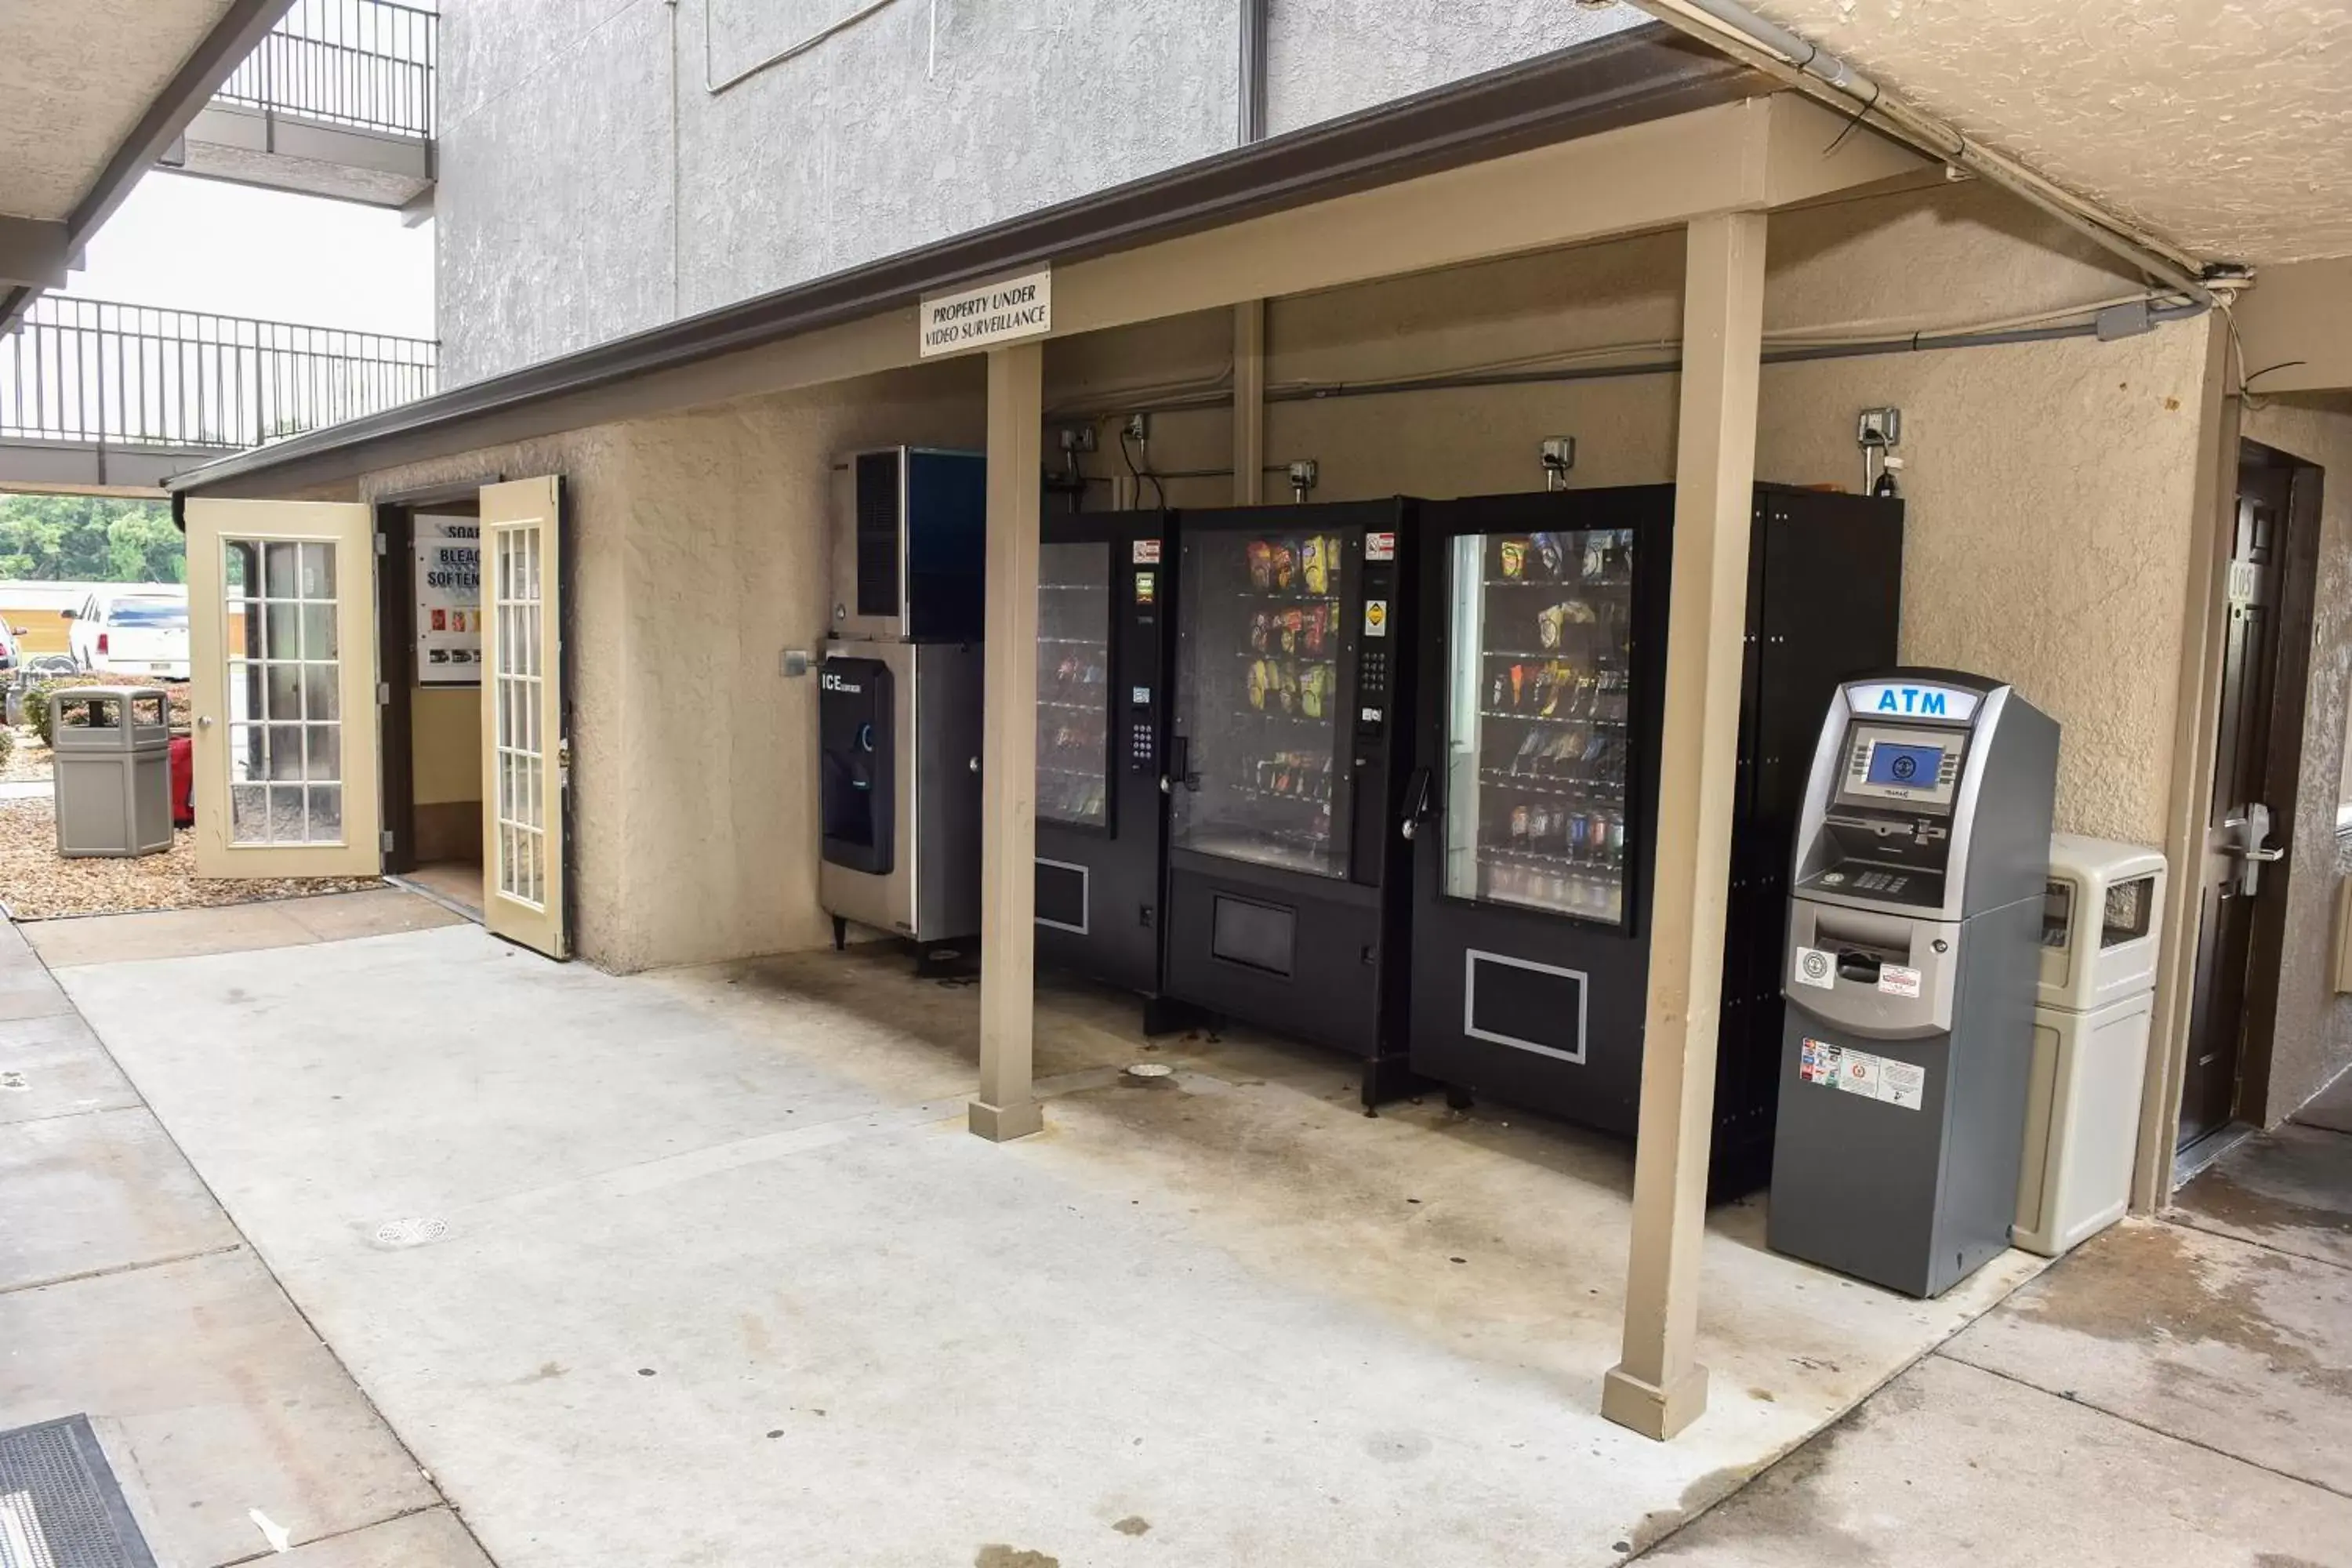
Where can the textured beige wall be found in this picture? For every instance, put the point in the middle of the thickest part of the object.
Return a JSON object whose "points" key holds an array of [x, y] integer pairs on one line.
{"points": [[700, 552], [2311, 1037]]}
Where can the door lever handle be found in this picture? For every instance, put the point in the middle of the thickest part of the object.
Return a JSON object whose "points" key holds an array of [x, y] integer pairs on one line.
{"points": [[1416, 802]]}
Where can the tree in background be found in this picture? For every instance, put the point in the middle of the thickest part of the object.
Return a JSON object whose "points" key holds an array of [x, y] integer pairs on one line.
{"points": [[89, 539]]}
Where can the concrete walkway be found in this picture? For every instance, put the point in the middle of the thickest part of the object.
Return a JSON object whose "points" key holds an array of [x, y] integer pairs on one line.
{"points": [[701, 1268], [126, 1294], [2176, 1391]]}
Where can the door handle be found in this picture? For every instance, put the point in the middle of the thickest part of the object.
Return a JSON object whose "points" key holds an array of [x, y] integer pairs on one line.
{"points": [[1416, 802], [2243, 831], [1180, 755], [204, 721]]}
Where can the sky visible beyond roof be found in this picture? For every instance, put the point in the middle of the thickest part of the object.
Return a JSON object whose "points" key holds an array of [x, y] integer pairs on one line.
{"points": [[203, 245]]}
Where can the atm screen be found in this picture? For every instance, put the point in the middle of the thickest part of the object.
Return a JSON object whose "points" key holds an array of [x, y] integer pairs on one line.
{"points": [[1904, 767]]}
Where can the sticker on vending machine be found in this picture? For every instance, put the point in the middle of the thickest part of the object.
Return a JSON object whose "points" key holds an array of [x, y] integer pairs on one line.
{"points": [[1147, 553], [1376, 618], [1380, 546]]}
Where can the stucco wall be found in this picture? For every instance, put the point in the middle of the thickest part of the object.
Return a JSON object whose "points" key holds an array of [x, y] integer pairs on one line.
{"points": [[590, 186], [699, 553], [2311, 1035]]}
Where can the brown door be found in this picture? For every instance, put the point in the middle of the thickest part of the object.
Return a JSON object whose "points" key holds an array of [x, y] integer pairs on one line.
{"points": [[2253, 794]]}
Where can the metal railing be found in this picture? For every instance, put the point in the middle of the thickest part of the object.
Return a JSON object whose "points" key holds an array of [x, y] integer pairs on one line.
{"points": [[92, 372], [363, 63]]}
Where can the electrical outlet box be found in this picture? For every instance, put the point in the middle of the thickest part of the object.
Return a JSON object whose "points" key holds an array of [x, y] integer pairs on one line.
{"points": [[1880, 427], [1560, 452], [1075, 438], [1138, 427]]}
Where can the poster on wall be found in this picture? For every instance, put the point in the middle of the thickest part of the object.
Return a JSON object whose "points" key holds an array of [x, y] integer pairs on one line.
{"points": [[448, 601]]}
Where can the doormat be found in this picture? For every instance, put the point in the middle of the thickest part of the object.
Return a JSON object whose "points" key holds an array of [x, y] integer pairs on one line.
{"points": [[59, 1505]]}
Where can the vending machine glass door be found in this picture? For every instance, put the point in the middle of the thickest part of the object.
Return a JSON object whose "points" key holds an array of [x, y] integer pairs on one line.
{"points": [[1073, 684], [1540, 630], [1266, 641]]}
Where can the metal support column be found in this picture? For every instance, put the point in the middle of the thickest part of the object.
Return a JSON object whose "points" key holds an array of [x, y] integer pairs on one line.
{"points": [[1659, 1387], [1006, 1107]]}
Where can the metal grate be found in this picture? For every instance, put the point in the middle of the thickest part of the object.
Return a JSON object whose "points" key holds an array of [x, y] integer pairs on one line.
{"points": [[59, 1505]]}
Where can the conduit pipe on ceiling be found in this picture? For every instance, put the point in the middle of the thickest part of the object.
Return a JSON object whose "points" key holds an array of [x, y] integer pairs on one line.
{"points": [[1738, 32]]}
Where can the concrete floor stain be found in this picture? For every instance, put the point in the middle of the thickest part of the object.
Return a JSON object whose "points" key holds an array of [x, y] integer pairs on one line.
{"points": [[1133, 1524], [999, 1556]]}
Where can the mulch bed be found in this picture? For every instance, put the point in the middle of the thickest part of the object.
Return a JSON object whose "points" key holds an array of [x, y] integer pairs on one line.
{"points": [[37, 883]]}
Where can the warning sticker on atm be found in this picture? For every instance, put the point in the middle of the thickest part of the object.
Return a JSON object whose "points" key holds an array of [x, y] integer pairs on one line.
{"points": [[1897, 981], [1815, 967], [1873, 1077]]}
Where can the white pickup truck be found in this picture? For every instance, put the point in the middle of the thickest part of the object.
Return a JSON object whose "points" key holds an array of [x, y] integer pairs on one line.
{"points": [[133, 633]]}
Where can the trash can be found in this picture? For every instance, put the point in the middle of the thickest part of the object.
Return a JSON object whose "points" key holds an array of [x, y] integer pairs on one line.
{"points": [[2091, 1018], [111, 750]]}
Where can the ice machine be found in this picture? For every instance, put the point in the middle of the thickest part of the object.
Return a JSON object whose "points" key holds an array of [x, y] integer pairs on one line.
{"points": [[1913, 951], [1538, 770], [898, 787]]}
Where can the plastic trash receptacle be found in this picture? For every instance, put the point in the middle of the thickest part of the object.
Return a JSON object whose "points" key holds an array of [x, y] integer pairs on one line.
{"points": [[111, 749]]}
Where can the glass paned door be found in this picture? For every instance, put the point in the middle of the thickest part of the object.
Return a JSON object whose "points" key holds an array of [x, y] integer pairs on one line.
{"points": [[1540, 629], [1074, 683], [1261, 642], [525, 756], [285, 719], [281, 645], [520, 766]]}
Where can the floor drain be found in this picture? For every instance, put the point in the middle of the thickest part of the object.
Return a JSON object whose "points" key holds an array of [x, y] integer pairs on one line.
{"points": [[410, 1232], [1150, 1070], [59, 1505], [14, 1083]]}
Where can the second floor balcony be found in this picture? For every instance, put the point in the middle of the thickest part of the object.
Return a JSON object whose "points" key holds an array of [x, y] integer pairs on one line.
{"points": [[338, 100]]}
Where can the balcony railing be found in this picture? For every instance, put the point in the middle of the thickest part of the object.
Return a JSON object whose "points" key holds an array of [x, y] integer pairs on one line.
{"points": [[362, 63], [91, 372]]}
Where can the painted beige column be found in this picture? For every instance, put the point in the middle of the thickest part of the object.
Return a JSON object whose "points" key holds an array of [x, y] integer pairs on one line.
{"points": [[1006, 1107], [1249, 403], [1659, 1388]]}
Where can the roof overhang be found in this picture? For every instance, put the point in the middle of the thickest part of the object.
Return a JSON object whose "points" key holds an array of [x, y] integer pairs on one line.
{"points": [[1630, 78], [35, 250]]}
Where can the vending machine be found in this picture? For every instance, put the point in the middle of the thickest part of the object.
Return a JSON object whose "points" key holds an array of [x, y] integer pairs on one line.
{"points": [[1105, 593], [1542, 686], [1287, 773]]}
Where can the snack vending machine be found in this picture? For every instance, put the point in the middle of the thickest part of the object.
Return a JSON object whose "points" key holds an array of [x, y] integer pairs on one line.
{"points": [[1542, 685], [1104, 595], [1288, 881]]}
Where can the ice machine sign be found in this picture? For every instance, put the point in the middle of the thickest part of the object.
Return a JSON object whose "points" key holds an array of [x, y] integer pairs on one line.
{"points": [[1900, 700]]}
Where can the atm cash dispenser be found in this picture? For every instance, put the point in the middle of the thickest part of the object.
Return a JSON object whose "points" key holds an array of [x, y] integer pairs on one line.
{"points": [[1914, 949], [898, 694]]}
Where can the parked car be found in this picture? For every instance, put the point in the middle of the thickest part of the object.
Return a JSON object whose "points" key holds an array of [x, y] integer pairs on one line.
{"points": [[12, 653], [132, 633]]}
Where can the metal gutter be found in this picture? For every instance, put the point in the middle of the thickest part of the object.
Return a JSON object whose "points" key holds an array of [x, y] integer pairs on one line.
{"points": [[237, 34], [1646, 73]]}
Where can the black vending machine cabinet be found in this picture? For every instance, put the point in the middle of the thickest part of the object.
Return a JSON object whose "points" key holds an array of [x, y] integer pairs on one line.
{"points": [[1105, 590], [1287, 878], [1542, 687]]}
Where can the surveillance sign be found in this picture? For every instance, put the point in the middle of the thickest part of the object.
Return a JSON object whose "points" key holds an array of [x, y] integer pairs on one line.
{"points": [[448, 601], [1001, 312]]}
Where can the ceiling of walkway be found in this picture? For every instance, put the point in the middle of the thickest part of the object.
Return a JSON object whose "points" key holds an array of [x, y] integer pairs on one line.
{"points": [[76, 76], [2223, 125]]}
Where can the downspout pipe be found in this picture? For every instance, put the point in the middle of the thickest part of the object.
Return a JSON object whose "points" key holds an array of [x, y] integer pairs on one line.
{"points": [[1735, 30]]}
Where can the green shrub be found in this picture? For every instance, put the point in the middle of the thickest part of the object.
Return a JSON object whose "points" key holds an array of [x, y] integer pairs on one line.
{"points": [[7, 744], [37, 702]]}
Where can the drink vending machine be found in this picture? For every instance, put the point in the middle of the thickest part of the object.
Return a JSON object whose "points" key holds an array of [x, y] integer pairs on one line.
{"points": [[1285, 772], [1105, 591], [1533, 799]]}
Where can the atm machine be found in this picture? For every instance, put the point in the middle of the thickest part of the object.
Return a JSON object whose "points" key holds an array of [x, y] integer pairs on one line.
{"points": [[1913, 956]]}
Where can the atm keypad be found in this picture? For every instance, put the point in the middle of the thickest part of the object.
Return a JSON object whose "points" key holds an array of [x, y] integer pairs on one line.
{"points": [[1881, 882]]}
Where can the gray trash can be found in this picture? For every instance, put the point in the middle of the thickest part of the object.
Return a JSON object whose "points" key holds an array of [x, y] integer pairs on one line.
{"points": [[111, 747]]}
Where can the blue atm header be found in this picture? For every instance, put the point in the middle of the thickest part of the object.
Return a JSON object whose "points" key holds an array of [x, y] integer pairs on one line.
{"points": [[1907, 699]]}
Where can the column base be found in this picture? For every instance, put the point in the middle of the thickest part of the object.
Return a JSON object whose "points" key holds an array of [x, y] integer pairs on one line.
{"points": [[1004, 1123], [1653, 1411]]}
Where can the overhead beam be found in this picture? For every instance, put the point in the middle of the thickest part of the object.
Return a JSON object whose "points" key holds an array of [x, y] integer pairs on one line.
{"points": [[1659, 1387]]}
